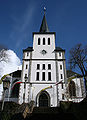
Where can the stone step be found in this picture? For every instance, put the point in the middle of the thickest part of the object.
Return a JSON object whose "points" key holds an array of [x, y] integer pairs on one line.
{"points": [[59, 116], [46, 110]]}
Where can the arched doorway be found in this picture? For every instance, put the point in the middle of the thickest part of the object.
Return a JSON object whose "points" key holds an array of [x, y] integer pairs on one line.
{"points": [[44, 99]]}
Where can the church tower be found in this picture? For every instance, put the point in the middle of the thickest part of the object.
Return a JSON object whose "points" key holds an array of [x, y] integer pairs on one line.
{"points": [[43, 70]]}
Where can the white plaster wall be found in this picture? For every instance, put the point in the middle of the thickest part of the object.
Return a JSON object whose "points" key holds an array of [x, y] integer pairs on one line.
{"points": [[60, 71], [32, 92], [52, 92], [61, 91], [27, 92], [21, 91], [38, 48], [24, 70], [34, 70]]}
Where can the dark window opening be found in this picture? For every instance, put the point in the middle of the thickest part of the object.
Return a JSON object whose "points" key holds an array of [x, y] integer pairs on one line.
{"points": [[15, 91], [61, 76], [43, 76], [27, 53], [63, 96], [38, 41], [60, 67], [26, 66], [38, 66], [24, 97], [43, 66], [43, 41], [25, 75], [48, 41], [49, 66], [37, 76], [49, 76], [62, 85], [59, 53]]}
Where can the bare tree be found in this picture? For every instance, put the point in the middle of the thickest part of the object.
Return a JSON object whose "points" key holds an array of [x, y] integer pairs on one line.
{"points": [[78, 58], [3, 56]]}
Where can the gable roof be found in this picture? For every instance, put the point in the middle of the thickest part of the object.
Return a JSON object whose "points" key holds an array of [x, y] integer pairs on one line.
{"points": [[28, 49], [71, 73], [16, 73]]}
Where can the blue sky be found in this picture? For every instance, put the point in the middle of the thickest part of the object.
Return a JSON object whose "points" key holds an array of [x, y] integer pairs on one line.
{"points": [[19, 18]]}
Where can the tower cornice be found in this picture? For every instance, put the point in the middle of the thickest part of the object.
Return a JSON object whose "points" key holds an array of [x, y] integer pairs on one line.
{"points": [[44, 33]]}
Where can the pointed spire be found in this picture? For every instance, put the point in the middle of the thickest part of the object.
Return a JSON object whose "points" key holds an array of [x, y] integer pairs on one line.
{"points": [[44, 10], [44, 26]]}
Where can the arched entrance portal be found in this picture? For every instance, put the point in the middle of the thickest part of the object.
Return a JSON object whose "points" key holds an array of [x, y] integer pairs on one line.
{"points": [[44, 99]]}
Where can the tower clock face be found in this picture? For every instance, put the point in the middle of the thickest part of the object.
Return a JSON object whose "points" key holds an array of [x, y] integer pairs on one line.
{"points": [[43, 52]]}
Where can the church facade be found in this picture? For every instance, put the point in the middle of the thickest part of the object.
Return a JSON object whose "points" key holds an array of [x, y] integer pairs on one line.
{"points": [[43, 76]]}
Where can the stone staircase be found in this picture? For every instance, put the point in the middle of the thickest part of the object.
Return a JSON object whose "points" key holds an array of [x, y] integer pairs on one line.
{"points": [[49, 113], [46, 110]]}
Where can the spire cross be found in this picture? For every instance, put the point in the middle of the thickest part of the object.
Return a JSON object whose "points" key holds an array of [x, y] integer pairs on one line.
{"points": [[44, 10]]}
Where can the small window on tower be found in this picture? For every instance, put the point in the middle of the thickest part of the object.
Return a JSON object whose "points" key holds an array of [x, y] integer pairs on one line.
{"points": [[43, 76], [25, 75], [49, 66], [60, 67], [43, 41], [61, 76], [27, 53], [60, 54], [37, 76], [26, 66], [38, 66], [38, 41], [48, 41], [63, 96], [43, 67], [62, 85]]}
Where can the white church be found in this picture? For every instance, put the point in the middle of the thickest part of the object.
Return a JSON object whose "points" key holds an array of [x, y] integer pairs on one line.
{"points": [[44, 78]]}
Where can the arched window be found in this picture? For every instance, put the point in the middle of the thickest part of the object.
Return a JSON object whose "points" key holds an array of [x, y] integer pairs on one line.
{"points": [[72, 89], [38, 41], [43, 41], [15, 91], [48, 41], [43, 66], [38, 66], [49, 66]]}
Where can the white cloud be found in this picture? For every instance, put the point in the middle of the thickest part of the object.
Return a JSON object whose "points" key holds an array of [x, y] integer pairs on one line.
{"points": [[13, 63]]}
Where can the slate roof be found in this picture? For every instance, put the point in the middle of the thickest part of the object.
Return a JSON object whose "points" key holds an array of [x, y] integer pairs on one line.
{"points": [[16, 73], [59, 49], [28, 49], [44, 27], [71, 73]]}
